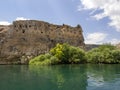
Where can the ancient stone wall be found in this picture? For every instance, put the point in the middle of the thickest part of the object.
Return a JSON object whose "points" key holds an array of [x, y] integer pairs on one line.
{"points": [[28, 38]]}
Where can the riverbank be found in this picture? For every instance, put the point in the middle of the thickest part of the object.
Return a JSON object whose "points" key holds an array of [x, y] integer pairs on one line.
{"points": [[66, 54]]}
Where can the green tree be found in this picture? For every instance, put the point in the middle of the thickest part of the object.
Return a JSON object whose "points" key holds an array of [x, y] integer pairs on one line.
{"points": [[68, 54], [61, 54], [103, 54]]}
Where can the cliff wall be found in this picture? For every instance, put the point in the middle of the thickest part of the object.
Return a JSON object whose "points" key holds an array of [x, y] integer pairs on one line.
{"points": [[26, 39], [91, 46]]}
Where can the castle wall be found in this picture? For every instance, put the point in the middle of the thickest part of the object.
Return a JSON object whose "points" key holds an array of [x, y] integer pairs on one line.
{"points": [[29, 38]]}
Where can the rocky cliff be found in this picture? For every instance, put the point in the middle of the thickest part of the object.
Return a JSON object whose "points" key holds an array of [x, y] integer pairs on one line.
{"points": [[91, 46], [26, 39]]}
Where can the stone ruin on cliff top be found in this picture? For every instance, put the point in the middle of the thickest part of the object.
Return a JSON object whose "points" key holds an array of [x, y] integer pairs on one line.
{"points": [[25, 39]]}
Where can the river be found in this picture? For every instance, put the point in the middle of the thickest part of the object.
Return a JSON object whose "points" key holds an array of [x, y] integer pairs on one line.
{"points": [[60, 77]]}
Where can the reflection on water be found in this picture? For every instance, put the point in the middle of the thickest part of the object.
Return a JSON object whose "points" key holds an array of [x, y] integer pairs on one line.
{"points": [[103, 77], [60, 77], [70, 77]]}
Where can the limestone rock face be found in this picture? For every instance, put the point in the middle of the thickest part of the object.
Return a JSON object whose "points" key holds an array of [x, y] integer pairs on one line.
{"points": [[26, 39]]}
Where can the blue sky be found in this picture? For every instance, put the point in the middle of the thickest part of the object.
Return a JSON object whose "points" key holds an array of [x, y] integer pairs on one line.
{"points": [[100, 19]]}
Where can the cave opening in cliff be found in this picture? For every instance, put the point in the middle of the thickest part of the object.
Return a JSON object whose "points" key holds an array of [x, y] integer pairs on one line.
{"points": [[23, 31]]}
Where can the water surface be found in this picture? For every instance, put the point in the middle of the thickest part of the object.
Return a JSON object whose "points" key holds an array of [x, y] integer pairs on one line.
{"points": [[60, 77]]}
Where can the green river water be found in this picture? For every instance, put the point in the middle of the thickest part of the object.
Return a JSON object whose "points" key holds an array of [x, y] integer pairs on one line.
{"points": [[60, 77]]}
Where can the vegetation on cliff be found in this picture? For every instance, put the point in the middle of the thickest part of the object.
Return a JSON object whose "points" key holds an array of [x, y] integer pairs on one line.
{"points": [[66, 54]]}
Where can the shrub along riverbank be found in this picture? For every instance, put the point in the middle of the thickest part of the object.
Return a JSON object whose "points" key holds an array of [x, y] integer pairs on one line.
{"points": [[66, 54]]}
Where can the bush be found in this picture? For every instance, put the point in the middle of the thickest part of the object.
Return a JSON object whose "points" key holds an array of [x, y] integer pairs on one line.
{"points": [[103, 54], [61, 54], [40, 60], [76, 55], [67, 54], [116, 56], [54, 60]]}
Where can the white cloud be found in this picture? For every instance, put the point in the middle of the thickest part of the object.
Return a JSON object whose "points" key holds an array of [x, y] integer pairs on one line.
{"points": [[21, 18], [114, 41], [4, 23], [17, 19], [109, 8], [95, 38]]}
